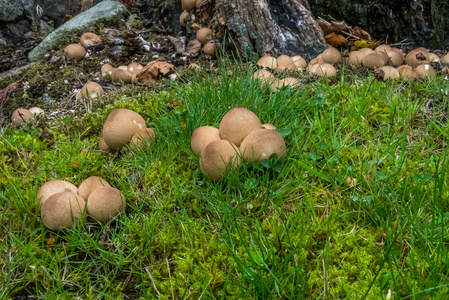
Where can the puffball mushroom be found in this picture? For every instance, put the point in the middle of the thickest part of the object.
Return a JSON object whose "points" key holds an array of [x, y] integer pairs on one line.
{"points": [[142, 135], [120, 126], [285, 62], [204, 35], [407, 72], [36, 110], [107, 69], [425, 70], [299, 62], [90, 90], [90, 39], [237, 124], [356, 58], [209, 49], [53, 187], [366, 51], [260, 144], [62, 210], [279, 83], [203, 136], [182, 18], [445, 59], [326, 70], [89, 185], [331, 56], [433, 57], [21, 115], [396, 57], [75, 51], [217, 158], [417, 57], [198, 3], [374, 60], [104, 203], [389, 72], [135, 67], [262, 75], [102, 146], [268, 62], [188, 5], [121, 75], [382, 48], [269, 126]]}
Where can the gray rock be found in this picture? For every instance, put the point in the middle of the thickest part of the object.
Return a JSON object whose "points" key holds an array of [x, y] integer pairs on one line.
{"points": [[107, 11], [10, 10]]}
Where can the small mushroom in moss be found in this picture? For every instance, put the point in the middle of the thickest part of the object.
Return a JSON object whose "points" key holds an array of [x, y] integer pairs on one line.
{"points": [[90, 39], [122, 75], [75, 51], [209, 49], [36, 110], [52, 187], [20, 116], [182, 18], [63, 210], [90, 90], [204, 35], [120, 126], [135, 67], [105, 203], [107, 69], [142, 138]]}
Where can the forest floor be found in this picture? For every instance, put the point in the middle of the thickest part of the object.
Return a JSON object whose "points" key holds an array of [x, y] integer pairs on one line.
{"points": [[357, 209]]}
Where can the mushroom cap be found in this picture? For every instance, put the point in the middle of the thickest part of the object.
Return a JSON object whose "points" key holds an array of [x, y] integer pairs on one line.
{"points": [[366, 51], [279, 83], [269, 126], [203, 136], [188, 5], [407, 72], [198, 3], [267, 62], [285, 62], [89, 185], [62, 209], [53, 187], [217, 157], [135, 67], [209, 49], [121, 75], [396, 57], [123, 67], [331, 56], [237, 124], [356, 58], [106, 69], [445, 59], [417, 57], [21, 115], [142, 135], [299, 62], [36, 110], [425, 70], [75, 51], [262, 75], [326, 70], [89, 39], [389, 72], [105, 202], [120, 126], [383, 48], [182, 18], [260, 144], [312, 68], [433, 57], [204, 35], [102, 145], [90, 90], [373, 60]]}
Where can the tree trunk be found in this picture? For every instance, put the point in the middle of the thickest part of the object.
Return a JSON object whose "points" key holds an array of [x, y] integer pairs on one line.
{"points": [[273, 27]]}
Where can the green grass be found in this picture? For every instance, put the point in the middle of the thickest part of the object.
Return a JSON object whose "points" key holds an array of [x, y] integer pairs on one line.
{"points": [[295, 232]]}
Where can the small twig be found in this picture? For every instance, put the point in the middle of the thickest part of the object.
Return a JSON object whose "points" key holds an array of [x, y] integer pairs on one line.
{"points": [[152, 280], [171, 283]]}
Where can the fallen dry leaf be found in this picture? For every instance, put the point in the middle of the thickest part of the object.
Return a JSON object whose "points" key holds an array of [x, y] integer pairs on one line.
{"points": [[336, 40], [359, 32], [4, 93], [150, 73]]}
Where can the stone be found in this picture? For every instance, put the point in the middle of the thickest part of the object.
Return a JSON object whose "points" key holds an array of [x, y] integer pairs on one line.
{"points": [[10, 10], [107, 11]]}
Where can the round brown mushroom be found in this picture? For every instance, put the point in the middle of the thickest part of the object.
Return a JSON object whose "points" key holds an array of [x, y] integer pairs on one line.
{"points": [[182, 18], [198, 3], [285, 62], [268, 62], [269, 126], [62, 210], [107, 69], [20, 116], [366, 51], [261, 144], [203, 136], [89, 91], [389, 72], [90, 39], [445, 59], [356, 58], [102, 146], [237, 124], [326, 70], [299, 62], [407, 72], [204, 35], [217, 158], [262, 75], [121, 75], [105, 203], [75, 51], [331, 56], [135, 67], [382, 48], [142, 138], [396, 58], [53, 187], [209, 49], [417, 57], [120, 126], [188, 5], [425, 70], [374, 60], [90, 184], [433, 57]]}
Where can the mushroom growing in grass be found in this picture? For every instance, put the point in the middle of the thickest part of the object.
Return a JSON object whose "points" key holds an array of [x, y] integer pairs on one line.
{"points": [[356, 58], [20, 116], [217, 158], [120, 126], [417, 57], [299, 62], [89, 185], [263, 75], [261, 144], [407, 72], [204, 35], [267, 62], [237, 123], [285, 62], [374, 60], [385, 72], [203, 136], [142, 138], [280, 83], [326, 70], [63, 210], [209, 49], [122, 75], [425, 70], [90, 39], [105, 203], [331, 56], [75, 51], [53, 187], [89, 91], [445, 59], [107, 69]]}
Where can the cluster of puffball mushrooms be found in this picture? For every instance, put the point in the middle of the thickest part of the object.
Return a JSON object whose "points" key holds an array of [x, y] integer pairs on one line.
{"points": [[122, 127], [78, 51], [241, 135], [203, 35], [63, 204], [387, 62], [22, 115]]}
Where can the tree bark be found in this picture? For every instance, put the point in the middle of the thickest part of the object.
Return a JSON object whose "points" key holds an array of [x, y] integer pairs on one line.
{"points": [[272, 27]]}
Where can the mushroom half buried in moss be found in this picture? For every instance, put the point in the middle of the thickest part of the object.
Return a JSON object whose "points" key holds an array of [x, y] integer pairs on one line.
{"points": [[188, 5], [142, 138], [120, 126], [53, 187], [62, 210], [20, 116], [237, 123], [89, 91], [90, 39], [182, 18], [122, 75], [203, 136], [104, 203], [36, 110], [217, 158], [261, 144], [89, 185], [75, 51]]}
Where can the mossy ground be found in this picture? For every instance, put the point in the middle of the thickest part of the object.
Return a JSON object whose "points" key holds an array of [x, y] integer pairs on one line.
{"points": [[296, 230]]}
